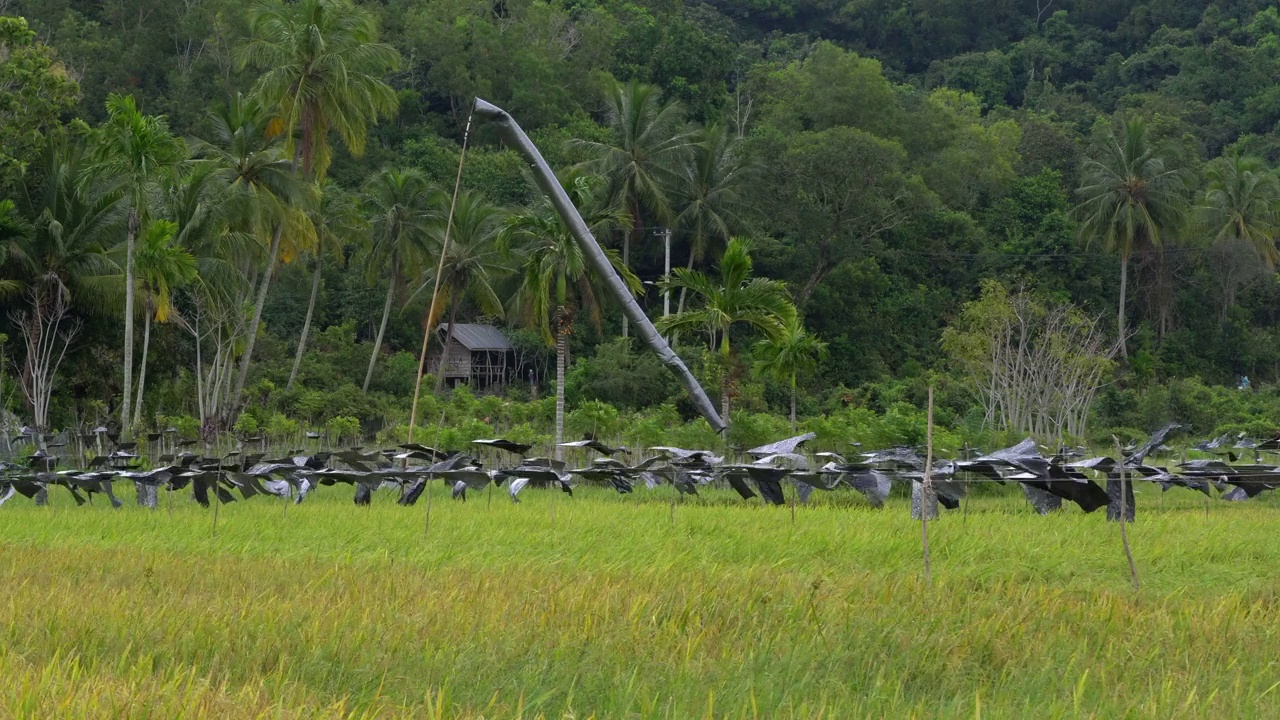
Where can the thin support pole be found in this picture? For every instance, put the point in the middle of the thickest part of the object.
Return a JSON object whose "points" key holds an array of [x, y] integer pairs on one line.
{"points": [[1124, 514], [666, 293], [216, 500], [926, 494], [435, 290], [795, 491], [426, 528]]}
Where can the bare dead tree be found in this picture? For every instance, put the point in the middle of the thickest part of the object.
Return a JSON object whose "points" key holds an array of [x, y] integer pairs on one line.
{"points": [[47, 330], [216, 327], [1035, 367]]}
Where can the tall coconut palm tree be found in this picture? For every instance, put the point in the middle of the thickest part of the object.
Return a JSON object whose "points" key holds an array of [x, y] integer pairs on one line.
{"points": [[1133, 197], [471, 261], [269, 197], [134, 149], [14, 231], [211, 227], [322, 70], [338, 221], [162, 267], [1241, 208], [401, 204], [735, 297], [207, 201], [63, 260], [76, 218], [555, 281], [711, 193], [788, 353], [642, 160]]}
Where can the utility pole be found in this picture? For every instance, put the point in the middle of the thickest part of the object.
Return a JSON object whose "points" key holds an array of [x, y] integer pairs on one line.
{"points": [[666, 293]]}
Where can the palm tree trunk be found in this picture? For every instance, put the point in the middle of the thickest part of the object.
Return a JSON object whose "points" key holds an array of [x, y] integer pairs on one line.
{"points": [[675, 337], [382, 328], [199, 373], [142, 371], [444, 350], [134, 223], [561, 351], [306, 324], [261, 302], [724, 398], [793, 402], [1124, 287], [637, 226]]}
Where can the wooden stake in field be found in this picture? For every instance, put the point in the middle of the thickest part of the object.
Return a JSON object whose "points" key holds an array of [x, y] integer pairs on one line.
{"points": [[1124, 514], [674, 492], [926, 492], [426, 488]]}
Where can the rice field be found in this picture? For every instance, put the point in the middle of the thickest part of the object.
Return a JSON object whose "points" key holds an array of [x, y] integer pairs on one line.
{"points": [[611, 607]]}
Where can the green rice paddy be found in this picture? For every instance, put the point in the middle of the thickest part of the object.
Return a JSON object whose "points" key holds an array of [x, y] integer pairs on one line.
{"points": [[611, 607]]}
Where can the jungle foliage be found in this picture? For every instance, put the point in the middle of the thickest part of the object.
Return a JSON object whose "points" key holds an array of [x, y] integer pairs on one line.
{"points": [[883, 160]]}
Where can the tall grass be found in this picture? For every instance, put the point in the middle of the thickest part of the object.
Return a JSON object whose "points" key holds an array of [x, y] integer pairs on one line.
{"points": [[613, 610]]}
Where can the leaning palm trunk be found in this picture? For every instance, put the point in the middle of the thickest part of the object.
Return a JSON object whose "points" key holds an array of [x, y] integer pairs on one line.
{"points": [[561, 351], [306, 325], [596, 258], [793, 402], [1124, 286], [261, 302], [382, 328], [142, 371], [134, 223], [724, 397]]}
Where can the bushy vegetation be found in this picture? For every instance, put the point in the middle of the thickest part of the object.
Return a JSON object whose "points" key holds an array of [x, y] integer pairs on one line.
{"points": [[268, 211]]}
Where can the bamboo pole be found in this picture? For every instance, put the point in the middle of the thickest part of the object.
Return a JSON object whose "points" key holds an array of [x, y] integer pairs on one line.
{"points": [[435, 290], [926, 494]]}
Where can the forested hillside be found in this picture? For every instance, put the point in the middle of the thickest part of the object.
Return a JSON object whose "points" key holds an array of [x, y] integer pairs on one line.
{"points": [[258, 193]]}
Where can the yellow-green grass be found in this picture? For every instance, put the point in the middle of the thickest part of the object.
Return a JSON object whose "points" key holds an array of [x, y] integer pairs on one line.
{"points": [[611, 610]]}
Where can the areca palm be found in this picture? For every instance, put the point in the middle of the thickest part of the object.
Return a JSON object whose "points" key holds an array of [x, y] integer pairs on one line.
{"points": [[322, 69], [556, 282], [471, 260], [786, 354], [642, 160], [162, 267], [735, 297], [1132, 198], [401, 204], [711, 192], [338, 221], [134, 149]]}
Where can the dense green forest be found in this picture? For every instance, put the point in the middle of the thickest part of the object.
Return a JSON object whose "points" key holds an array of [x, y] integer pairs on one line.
{"points": [[227, 214]]}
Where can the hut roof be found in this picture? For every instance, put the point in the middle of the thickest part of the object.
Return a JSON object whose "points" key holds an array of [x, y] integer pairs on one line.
{"points": [[478, 337]]}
